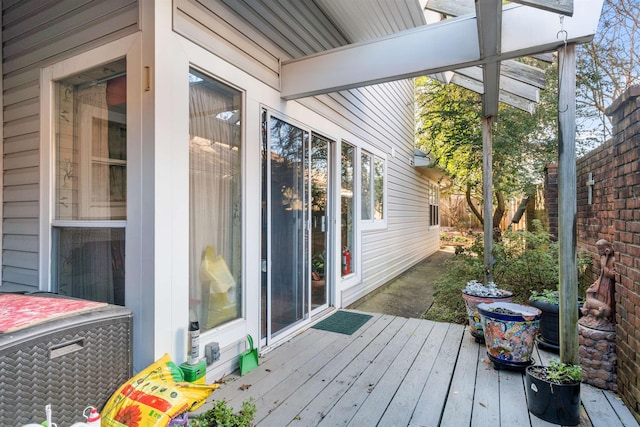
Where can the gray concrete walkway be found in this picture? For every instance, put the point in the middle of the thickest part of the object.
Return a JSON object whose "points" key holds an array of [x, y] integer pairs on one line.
{"points": [[410, 294]]}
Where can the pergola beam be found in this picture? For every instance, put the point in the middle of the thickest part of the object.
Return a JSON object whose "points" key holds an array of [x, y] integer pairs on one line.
{"points": [[563, 7], [451, 7], [463, 7], [507, 84], [443, 46], [489, 23], [475, 85]]}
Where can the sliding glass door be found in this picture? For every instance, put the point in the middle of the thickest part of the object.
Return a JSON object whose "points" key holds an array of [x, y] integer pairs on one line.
{"points": [[294, 224]]}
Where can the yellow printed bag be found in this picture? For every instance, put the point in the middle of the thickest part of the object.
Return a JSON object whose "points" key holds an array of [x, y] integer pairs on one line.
{"points": [[153, 397]]}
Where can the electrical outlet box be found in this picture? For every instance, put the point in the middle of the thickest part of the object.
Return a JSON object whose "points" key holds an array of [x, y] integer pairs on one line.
{"points": [[212, 352]]}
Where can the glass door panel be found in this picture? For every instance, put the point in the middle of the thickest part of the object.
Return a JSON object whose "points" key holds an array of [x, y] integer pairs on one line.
{"points": [[319, 220], [287, 202]]}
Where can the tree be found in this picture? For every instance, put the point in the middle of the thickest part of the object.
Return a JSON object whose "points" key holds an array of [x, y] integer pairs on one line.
{"points": [[448, 127], [606, 67]]}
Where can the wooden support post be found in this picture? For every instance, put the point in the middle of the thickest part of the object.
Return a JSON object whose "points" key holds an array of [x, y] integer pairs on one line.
{"points": [[567, 204], [487, 196]]}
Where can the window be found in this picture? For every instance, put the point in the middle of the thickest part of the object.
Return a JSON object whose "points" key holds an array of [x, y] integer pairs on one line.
{"points": [[372, 172], [347, 236], [433, 199], [215, 258], [90, 184]]}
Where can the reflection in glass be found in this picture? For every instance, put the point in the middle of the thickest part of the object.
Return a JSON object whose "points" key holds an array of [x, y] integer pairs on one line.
{"points": [[347, 208], [89, 263], [378, 186], [90, 184], [288, 202], [91, 145], [319, 219], [215, 234], [365, 186]]}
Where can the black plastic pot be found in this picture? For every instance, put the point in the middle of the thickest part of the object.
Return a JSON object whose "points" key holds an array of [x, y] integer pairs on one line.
{"points": [[549, 337], [554, 403]]}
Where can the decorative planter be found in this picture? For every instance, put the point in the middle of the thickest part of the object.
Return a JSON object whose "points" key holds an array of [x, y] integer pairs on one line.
{"points": [[549, 337], [555, 403], [509, 332], [475, 320]]}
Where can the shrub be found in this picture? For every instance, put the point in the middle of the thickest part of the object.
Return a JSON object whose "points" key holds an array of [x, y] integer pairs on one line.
{"points": [[524, 262], [221, 415]]}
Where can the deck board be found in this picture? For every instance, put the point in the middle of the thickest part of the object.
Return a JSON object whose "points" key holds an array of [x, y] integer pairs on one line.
{"points": [[395, 371], [324, 402], [354, 398], [486, 408], [513, 402], [380, 396], [459, 404], [429, 408], [399, 411]]}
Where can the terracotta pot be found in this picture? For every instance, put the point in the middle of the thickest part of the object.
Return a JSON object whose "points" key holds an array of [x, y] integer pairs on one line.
{"points": [[509, 332], [475, 320], [555, 403]]}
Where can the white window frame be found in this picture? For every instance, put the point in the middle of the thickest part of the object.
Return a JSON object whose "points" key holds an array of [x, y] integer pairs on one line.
{"points": [[228, 331], [372, 224], [49, 76]]}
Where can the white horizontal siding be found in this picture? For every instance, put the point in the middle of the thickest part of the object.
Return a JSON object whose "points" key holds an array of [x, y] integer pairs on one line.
{"points": [[37, 33], [20, 243], [28, 142], [211, 24]]}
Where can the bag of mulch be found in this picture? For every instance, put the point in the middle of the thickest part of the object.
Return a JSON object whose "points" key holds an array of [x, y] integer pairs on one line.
{"points": [[153, 397]]}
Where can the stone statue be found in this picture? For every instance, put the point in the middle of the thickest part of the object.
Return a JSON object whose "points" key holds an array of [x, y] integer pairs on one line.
{"points": [[599, 306]]}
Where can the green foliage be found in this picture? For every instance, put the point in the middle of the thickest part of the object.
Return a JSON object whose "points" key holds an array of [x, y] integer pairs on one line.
{"points": [[525, 262], [547, 295], [561, 373], [448, 126], [221, 415]]}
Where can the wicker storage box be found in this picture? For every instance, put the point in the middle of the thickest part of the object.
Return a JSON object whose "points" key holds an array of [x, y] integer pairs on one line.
{"points": [[70, 361]]}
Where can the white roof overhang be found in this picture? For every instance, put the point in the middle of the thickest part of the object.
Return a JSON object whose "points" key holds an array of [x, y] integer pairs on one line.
{"points": [[490, 36]]}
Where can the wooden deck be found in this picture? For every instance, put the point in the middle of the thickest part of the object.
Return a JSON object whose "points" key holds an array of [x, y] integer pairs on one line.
{"points": [[396, 372]]}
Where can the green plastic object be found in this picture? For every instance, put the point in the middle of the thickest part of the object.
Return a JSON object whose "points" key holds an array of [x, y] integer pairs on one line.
{"points": [[248, 358], [194, 373]]}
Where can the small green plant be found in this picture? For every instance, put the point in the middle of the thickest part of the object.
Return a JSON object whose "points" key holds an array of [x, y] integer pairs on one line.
{"points": [[562, 373], [546, 295], [318, 262], [221, 415]]}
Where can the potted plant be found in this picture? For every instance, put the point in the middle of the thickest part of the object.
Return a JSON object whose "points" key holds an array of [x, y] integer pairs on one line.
{"points": [[547, 302], [553, 392], [222, 415], [476, 293], [509, 332], [317, 265]]}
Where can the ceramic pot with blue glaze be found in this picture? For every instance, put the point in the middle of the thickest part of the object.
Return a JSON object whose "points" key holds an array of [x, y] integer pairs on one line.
{"points": [[510, 331]]}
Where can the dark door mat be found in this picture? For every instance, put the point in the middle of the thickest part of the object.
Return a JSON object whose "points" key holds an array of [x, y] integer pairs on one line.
{"points": [[343, 322]]}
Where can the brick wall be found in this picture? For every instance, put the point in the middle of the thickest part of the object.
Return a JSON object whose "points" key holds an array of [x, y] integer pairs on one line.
{"points": [[625, 203], [614, 214], [551, 198]]}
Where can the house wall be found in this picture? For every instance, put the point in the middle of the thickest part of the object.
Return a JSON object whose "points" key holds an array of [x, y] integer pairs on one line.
{"points": [[614, 214], [255, 39], [163, 40], [36, 35]]}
